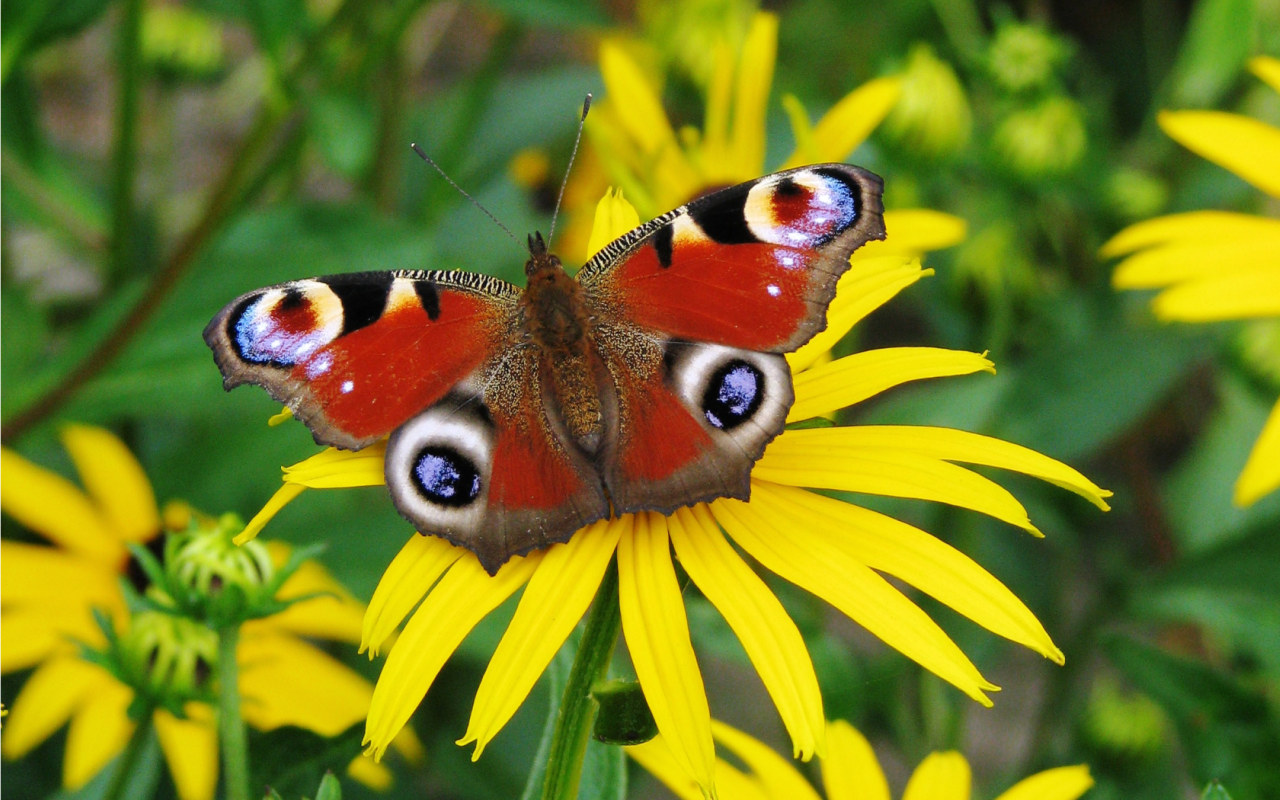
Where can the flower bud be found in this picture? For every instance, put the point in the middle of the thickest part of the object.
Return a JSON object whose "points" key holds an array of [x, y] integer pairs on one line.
{"points": [[181, 41], [165, 658], [1023, 58], [931, 119], [211, 578], [1044, 141], [1123, 726]]}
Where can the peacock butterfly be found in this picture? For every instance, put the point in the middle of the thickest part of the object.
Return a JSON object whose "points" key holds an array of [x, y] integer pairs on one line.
{"points": [[651, 380]]}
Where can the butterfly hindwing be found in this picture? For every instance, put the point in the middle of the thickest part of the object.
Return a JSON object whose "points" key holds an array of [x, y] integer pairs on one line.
{"points": [[354, 356], [752, 266]]}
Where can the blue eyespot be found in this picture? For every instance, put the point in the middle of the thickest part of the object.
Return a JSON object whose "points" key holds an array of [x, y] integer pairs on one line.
{"points": [[446, 477], [733, 394]]}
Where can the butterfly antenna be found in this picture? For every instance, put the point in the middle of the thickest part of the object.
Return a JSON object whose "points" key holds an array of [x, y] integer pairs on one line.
{"points": [[586, 106], [422, 153]]}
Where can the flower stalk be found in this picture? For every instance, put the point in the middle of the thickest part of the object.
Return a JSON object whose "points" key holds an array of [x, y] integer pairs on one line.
{"points": [[235, 752], [128, 762], [577, 708]]}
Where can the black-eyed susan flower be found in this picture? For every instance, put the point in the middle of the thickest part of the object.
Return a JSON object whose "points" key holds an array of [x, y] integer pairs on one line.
{"points": [[1217, 265], [836, 550], [48, 594], [850, 771]]}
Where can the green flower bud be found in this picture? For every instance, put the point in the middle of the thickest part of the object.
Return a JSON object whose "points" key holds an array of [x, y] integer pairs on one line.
{"points": [[181, 41], [165, 658], [1024, 57], [1044, 141], [1258, 345], [932, 119], [211, 578], [687, 35], [992, 261]]}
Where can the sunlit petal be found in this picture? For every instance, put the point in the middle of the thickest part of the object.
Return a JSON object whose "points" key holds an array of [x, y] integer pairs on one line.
{"points": [[657, 634], [1062, 783], [553, 601], [941, 776], [374, 774], [331, 614], [284, 495], [856, 377], [755, 76], [731, 783], [191, 749], [285, 681], [771, 639], [413, 571], [115, 481], [913, 231], [1261, 472], [1192, 227], [850, 770], [1245, 146], [1234, 295], [930, 565], [614, 217], [32, 574], [1189, 260], [868, 285], [791, 541], [53, 507], [33, 631], [463, 597], [57, 688], [775, 773], [849, 122], [99, 730], [332, 468], [1268, 69]]}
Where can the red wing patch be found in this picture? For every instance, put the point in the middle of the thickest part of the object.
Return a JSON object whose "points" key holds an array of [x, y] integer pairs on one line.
{"points": [[355, 356], [752, 266]]}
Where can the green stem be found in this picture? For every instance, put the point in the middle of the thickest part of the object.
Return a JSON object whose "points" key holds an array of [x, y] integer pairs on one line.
{"points": [[235, 753], [126, 147], [577, 708], [129, 758]]}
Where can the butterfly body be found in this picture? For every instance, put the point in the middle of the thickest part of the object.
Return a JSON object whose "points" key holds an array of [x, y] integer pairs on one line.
{"points": [[651, 380]]}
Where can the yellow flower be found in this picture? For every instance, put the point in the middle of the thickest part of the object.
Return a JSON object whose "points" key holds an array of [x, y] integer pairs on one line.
{"points": [[48, 592], [1217, 265], [850, 771], [834, 549]]}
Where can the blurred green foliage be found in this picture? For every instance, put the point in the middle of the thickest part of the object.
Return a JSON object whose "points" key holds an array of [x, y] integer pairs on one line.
{"points": [[153, 171]]}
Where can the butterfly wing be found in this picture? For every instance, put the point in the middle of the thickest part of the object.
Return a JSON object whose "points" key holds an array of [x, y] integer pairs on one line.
{"points": [[717, 290], [354, 356]]}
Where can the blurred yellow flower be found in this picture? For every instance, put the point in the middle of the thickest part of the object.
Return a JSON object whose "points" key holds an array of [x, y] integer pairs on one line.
{"points": [[850, 771], [834, 549], [48, 593], [1217, 265]]}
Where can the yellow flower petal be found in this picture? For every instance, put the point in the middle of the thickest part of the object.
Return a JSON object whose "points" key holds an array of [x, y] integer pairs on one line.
{"points": [[614, 217], [851, 770], [731, 783], [1223, 227], [332, 614], [955, 445], [191, 749], [932, 566], [332, 468], [755, 77], [463, 597], [890, 473], [52, 506], [1062, 783], [849, 122], [1268, 69], [1245, 146], [854, 378], [913, 231], [1234, 295], [98, 732], [657, 634], [941, 776], [774, 773], [285, 681], [115, 481], [553, 601], [372, 774], [1211, 259], [413, 571], [34, 574], [719, 103], [30, 635], [57, 688], [284, 496], [771, 639], [781, 531], [868, 285], [1261, 473]]}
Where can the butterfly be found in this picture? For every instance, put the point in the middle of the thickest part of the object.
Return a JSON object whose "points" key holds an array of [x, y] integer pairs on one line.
{"points": [[652, 379]]}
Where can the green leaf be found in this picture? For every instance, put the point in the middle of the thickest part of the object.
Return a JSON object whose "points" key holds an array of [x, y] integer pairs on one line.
{"points": [[31, 24], [1220, 37], [289, 758], [557, 676], [329, 789], [604, 772], [624, 717], [552, 13], [1215, 791]]}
